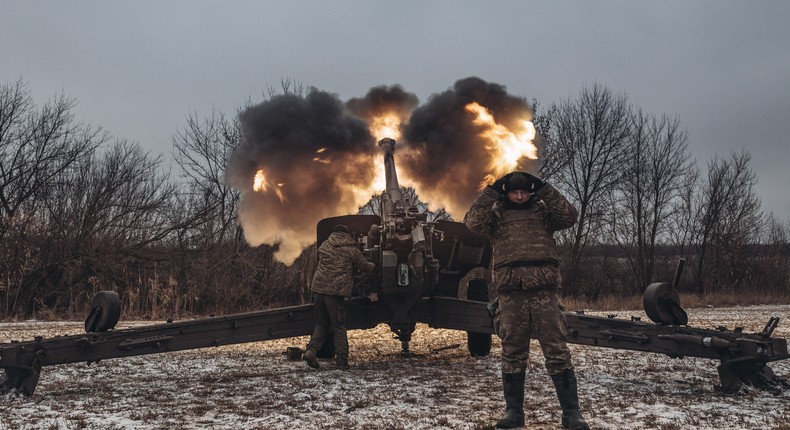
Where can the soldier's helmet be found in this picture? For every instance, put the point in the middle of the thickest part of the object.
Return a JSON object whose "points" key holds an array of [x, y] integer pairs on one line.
{"points": [[342, 228], [520, 181]]}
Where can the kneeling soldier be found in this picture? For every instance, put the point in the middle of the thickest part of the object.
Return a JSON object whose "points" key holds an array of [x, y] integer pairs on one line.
{"points": [[333, 281]]}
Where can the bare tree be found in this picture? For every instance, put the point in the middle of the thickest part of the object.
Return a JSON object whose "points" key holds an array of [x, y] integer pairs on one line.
{"points": [[772, 268], [656, 170], [685, 213], [776, 232], [729, 219], [113, 201], [550, 152], [287, 86], [101, 214], [36, 146], [590, 132], [202, 150]]}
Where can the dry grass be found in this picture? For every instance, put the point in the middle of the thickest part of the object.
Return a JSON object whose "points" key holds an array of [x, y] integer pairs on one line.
{"points": [[687, 300]]}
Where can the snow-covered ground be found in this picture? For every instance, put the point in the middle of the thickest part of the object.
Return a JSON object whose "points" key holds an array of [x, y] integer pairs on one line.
{"points": [[254, 386]]}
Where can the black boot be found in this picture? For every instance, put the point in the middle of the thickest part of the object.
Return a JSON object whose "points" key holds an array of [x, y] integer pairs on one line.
{"points": [[513, 386], [310, 357], [567, 392]]}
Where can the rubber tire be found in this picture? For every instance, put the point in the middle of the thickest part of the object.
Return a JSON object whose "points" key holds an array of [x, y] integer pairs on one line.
{"points": [[105, 312], [662, 304]]}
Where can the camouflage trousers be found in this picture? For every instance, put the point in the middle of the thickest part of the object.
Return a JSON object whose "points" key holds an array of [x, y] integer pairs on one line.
{"points": [[525, 314], [330, 314]]}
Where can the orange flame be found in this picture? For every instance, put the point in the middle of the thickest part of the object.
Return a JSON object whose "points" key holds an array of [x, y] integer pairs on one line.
{"points": [[261, 185], [505, 147], [318, 158], [386, 125]]}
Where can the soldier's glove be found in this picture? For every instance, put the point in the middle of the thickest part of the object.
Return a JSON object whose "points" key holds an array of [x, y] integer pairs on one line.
{"points": [[492, 306]]}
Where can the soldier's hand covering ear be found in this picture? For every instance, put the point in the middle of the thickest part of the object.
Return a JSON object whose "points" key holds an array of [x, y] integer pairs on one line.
{"points": [[537, 183], [499, 184]]}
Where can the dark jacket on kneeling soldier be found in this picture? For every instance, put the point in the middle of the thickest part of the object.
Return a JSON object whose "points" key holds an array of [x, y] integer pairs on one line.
{"points": [[332, 283]]}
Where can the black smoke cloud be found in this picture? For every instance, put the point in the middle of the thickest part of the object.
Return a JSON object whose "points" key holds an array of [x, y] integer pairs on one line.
{"points": [[316, 150], [384, 99], [448, 156], [322, 152], [288, 127]]}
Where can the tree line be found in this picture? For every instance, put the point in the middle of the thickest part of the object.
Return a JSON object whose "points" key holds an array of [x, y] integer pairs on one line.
{"points": [[645, 202], [82, 211]]}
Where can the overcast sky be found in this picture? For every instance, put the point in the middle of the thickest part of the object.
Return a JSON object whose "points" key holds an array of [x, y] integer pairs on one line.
{"points": [[138, 68]]}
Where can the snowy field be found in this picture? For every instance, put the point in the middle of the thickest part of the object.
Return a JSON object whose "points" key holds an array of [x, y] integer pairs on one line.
{"points": [[254, 386]]}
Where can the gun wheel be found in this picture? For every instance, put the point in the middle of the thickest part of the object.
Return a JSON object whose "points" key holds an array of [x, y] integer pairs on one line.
{"points": [[662, 304], [105, 312]]}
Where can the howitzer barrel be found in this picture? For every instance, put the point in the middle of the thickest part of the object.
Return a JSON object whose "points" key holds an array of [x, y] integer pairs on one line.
{"points": [[392, 197], [392, 185]]}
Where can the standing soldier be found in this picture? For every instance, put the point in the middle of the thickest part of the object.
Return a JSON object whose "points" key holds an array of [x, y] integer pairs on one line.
{"points": [[332, 283], [520, 213]]}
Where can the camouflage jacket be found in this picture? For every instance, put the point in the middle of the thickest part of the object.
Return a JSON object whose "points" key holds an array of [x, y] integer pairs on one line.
{"points": [[338, 256], [522, 238]]}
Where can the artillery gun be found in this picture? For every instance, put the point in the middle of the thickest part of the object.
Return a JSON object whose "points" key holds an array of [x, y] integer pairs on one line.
{"points": [[415, 259], [419, 267], [427, 272]]}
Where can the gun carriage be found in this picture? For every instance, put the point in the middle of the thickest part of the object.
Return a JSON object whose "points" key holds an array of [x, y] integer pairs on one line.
{"points": [[426, 272]]}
